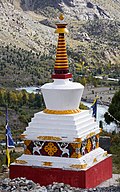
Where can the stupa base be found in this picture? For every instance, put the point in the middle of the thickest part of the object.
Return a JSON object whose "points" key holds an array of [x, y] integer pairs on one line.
{"points": [[88, 178]]}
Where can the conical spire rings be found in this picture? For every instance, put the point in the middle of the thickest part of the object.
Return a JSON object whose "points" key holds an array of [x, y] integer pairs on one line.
{"points": [[61, 69]]}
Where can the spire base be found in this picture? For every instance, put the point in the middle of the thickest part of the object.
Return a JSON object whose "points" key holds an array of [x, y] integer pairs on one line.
{"points": [[62, 76]]}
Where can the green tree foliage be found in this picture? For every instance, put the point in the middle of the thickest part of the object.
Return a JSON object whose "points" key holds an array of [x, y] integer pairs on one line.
{"points": [[83, 107], [81, 80], [21, 108], [114, 109], [2, 99], [16, 98], [19, 67]]}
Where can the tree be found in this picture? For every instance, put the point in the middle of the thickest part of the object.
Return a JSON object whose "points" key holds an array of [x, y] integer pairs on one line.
{"points": [[31, 97], [2, 100], [12, 97], [114, 110], [25, 97], [83, 107], [81, 80]]}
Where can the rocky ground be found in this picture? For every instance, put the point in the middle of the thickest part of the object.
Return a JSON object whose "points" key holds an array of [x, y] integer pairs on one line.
{"points": [[22, 185]]}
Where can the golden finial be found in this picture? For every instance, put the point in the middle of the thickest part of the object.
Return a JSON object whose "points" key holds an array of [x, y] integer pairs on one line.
{"points": [[61, 17]]}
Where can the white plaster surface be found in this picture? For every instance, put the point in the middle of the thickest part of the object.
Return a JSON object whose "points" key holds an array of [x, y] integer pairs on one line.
{"points": [[64, 163], [67, 127], [62, 94]]}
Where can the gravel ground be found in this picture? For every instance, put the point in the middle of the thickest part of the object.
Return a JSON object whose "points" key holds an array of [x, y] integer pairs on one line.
{"points": [[115, 180], [22, 185]]}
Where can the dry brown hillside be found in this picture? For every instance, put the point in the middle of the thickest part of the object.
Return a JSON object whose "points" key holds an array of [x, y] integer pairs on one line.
{"points": [[94, 37]]}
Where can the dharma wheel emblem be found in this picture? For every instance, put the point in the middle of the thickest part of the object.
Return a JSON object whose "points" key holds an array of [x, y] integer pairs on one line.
{"points": [[51, 149]]}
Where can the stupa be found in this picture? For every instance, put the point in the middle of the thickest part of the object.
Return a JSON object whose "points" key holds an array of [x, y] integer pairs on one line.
{"points": [[62, 141]]}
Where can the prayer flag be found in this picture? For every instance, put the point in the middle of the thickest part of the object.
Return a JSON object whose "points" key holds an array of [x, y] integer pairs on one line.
{"points": [[94, 107], [7, 157], [9, 140]]}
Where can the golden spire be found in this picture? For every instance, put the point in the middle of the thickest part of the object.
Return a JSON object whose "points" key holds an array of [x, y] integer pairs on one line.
{"points": [[61, 64], [61, 17]]}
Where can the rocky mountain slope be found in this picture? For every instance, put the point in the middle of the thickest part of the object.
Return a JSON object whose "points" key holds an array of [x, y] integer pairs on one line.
{"points": [[22, 29], [78, 9], [94, 29], [20, 23]]}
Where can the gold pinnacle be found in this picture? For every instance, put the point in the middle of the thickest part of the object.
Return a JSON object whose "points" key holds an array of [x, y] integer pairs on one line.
{"points": [[61, 17]]}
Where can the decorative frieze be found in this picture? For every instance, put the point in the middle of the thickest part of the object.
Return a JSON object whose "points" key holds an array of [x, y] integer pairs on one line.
{"points": [[50, 149], [61, 149]]}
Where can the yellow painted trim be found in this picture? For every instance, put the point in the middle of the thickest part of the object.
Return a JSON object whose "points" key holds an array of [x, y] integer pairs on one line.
{"points": [[22, 136], [76, 145], [61, 49], [94, 160], [57, 112], [97, 144], [27, 142], [90, 135], [63, 58], [88, 146], [63, 65], [105, 154], [27, 152], [20, 161], [47, 163], [63, 52], [79, 166], [49, 138], [61, 30], [61, 46], [78, 140], [61, 55], [61, 61], [76, 155], [60, 67]]}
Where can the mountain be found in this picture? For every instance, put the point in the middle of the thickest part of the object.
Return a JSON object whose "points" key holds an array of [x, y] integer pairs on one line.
{"points": [[28, 26], [78, 9], [22, 29]]}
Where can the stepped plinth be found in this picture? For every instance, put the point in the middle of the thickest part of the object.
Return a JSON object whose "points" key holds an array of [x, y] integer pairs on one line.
{"points": [[62, 142]]}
